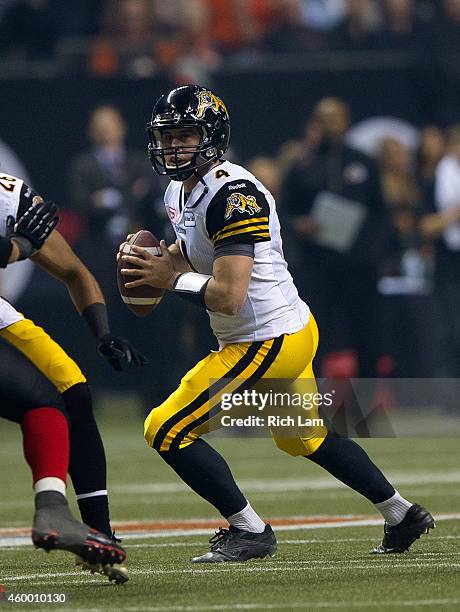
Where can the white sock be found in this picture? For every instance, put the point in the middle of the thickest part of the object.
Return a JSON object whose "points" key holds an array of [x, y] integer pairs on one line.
{"points": [[50, 483], [394, 509], [248, 520]]}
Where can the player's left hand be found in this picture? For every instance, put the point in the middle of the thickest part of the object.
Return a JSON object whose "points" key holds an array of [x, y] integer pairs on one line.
{"points": [[154, 270], [119, 352]]}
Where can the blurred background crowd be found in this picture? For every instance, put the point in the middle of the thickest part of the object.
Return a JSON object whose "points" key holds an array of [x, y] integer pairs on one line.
{"points": [[350, 106], [193, 38]]}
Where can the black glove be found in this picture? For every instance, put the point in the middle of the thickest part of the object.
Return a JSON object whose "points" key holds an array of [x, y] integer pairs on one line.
{"points": [[33, 228], [119, 352]]}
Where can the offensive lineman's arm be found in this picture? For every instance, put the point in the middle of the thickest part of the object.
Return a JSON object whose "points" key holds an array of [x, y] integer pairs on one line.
{"points": [[58, 259], [14, 253], [33, 229], [9, 251]]}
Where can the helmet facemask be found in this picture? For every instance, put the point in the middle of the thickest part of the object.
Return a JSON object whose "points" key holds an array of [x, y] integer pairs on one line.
{"points": [[193, 107], [177, 169]]}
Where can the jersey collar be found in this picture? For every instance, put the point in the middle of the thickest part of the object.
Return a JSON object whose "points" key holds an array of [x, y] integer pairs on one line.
{"points": [[204, 191]]}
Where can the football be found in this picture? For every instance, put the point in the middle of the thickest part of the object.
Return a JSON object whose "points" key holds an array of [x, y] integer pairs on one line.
{"points": [[144, 299]]}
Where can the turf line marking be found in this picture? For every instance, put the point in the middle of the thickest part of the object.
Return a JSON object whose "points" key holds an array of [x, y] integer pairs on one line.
{"points": [[198, 524], [370, 605], [326, 566], [47, 575], [267, 567], [293, 484], [140, 530], [289, 542], [280, 525], [26, 542]]}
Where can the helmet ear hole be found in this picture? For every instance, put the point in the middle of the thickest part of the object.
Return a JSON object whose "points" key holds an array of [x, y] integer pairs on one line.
{"points": [[210, 153]]}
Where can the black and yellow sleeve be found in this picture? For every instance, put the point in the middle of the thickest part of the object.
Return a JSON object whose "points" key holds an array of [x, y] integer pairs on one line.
{"points": [[26, 199], [238, 214]]}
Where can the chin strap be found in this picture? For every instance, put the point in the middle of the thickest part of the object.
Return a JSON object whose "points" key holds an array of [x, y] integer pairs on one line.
{"points": [[205, 189], [202, 181]]}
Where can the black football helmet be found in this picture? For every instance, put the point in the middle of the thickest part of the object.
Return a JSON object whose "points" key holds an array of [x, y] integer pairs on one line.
{"points": [[185, 107]]}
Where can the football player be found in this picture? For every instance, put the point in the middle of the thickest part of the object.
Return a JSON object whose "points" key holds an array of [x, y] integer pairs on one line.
{"points": [[28, 398], [87, 466], [228, 259]]}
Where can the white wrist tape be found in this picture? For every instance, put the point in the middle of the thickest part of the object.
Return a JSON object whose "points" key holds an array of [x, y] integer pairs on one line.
{"points": [[191, 282]]}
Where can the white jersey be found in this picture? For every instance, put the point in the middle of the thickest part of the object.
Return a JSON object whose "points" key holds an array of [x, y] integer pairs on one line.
{"points": [[447, 196], [235, 209], [14, 194]]}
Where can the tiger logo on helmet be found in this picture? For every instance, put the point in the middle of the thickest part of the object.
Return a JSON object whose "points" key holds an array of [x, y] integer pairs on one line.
{"points": [[207, 99], [188, 106]]}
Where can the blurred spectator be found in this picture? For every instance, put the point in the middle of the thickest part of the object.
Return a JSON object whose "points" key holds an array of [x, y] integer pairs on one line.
{"points": [[399, 23], [289, 33], [108, 187], [267, 171], [367, 135], [407, 307], [289, 153], [26, 31], [141, 37], [359, 26], [114, 191], [235, 24], [406, 25], [340, 286], [431, 149], [127, 41], [322, 14], [191, 52], [445, 223], [445, 218], [399, 187], [172, 16], [440, 68]]}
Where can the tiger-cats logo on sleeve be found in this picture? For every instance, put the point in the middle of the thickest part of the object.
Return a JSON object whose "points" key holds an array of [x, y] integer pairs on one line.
{"points": [[241, 203], [206, 99]]}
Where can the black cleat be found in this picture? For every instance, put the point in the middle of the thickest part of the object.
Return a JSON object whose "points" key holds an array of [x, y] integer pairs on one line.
{"points": [[399, 538], [117, 573], [237, 545], [55, 528]]}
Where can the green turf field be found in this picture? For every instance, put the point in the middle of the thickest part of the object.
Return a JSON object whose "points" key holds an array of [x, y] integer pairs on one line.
{"points": [[315, 568]]}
